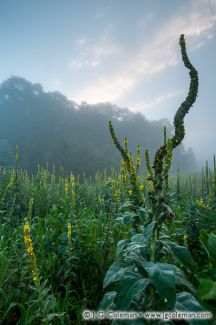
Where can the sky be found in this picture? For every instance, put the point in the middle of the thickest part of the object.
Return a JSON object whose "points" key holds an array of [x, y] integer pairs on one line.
{"points": [[125, 52]]}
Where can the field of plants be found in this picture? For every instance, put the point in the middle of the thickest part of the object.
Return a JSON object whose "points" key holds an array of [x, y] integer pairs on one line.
{"points": [[59, 237], [135, 239]]}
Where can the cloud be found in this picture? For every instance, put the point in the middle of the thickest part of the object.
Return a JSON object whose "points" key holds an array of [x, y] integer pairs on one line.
{"points": [[91, 54], [200, 44], [81, 41], [156, 55], [105, 90], [141, 107]]}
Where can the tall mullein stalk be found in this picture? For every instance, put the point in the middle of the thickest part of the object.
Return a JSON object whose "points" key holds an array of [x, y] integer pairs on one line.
{"points": [[135, 194], [165, 176], [138, 158], [179, 117], [30, 208], [149, 170], [123, 173], [73, 194], [8, 187], [161, 169], [66, 186], [167, 163], [69, 237], [34, 269]]}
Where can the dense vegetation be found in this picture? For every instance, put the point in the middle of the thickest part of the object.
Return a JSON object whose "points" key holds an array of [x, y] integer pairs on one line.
{"points": [[148, 237], [72, 265], [48, 128]]}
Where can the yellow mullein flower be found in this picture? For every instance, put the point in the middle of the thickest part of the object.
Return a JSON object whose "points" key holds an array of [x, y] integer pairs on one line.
{"points": [[130, 192], [150, 186], [138, 148], [35, 275], [202, 204], [117, 193], [66, 186], [69, 233], [123, 172], [27, 240], [30, 251], [138, 159], [141, 187], [69, 228]]}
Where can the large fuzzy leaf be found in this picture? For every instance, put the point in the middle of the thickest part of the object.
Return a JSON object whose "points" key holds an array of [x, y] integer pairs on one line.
{"points": [[108, 301], [148, 231], [130, 290], [121, 245], [181, 280], [115, 273], [163, 277], [209, 243], [182, 254], [186, 302], [212, 247]]}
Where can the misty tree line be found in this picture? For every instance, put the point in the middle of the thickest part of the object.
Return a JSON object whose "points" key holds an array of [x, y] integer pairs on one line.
{"points": [[49, 129]]}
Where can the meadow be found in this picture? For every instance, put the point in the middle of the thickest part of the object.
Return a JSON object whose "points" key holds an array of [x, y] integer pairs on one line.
{"points": [[59, 237], [149, 237]]}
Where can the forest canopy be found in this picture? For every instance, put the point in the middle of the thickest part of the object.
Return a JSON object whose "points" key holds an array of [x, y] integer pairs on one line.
{"points": [[51, 130]]}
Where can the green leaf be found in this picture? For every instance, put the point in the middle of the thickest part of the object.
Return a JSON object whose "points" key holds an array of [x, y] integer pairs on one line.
{"points": [[142, 212], [140, 268], [138, 238], [212, 247], [182, 254], [138, 243], [181, 280], [12, 305], [130, 291], [207, 289], [163, 278], [148, 231], [129, 279], [53, 315], [108, 301], [121, 245], [128, 217], [209, 243], [186, 302], [115, 273], [126, 206], [204, 239]]}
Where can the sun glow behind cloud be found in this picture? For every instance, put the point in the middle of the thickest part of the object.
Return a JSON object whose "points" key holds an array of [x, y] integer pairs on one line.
{"points": [[150, 57]]}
